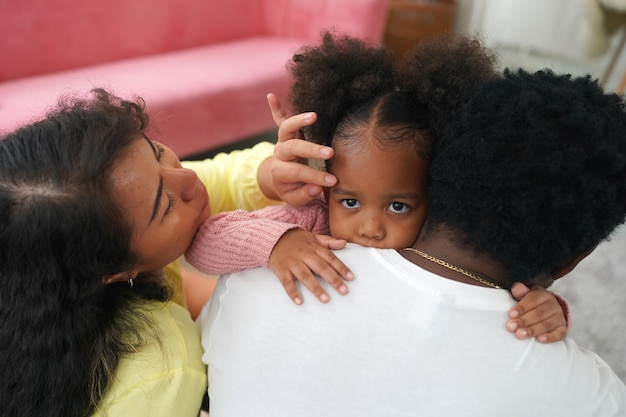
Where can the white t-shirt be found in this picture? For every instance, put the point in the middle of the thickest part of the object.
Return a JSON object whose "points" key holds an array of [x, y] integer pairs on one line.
{"points": [[403, 342]]}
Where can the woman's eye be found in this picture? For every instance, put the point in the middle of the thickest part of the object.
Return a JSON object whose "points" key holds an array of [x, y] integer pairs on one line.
{"points": [[160, 150], [398, 208], [350, 203], [170, 204]]}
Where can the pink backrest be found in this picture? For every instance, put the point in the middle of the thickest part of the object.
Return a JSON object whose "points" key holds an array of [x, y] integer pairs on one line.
{"points": [[43, 36], [306, 18]]}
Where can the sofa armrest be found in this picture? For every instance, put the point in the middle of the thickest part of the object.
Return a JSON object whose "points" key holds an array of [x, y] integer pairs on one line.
{"points": [[307, 19]]}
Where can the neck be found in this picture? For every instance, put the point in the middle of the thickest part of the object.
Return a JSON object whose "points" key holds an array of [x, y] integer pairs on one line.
{"points": [[443, 246]]}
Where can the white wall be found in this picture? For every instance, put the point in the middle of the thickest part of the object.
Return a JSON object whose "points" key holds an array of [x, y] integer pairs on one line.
{"points": [[539, 33]]}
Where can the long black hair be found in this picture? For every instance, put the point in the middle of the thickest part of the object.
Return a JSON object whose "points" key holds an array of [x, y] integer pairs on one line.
{"points": [[62, 331]]}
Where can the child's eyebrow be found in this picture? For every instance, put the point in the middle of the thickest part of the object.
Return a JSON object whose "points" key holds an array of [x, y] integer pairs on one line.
{"points": [[390, 196], [343, 191], [406, 196]]}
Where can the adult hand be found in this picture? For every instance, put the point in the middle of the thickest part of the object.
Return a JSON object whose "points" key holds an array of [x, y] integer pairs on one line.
{"points": [[293, 180]]}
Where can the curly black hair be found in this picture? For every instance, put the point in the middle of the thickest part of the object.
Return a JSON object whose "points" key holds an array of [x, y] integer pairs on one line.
{"points": [[441, 70], [531, 170], [333, 77], [62, 331], [360, 90]]}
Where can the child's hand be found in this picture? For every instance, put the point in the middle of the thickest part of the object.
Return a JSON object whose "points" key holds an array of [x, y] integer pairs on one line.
{"points": [[292, 179], [300, 254], [539, 314]]}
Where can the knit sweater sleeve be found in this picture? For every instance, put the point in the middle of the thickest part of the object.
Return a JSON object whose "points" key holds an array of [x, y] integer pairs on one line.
{"points": [[232, 241]]}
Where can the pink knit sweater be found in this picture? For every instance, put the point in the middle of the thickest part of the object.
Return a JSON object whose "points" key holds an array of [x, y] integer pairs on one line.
{"points": [[237, 240]]}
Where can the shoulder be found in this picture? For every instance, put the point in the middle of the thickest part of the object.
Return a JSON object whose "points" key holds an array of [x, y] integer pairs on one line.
{"points": [[166, 376]]}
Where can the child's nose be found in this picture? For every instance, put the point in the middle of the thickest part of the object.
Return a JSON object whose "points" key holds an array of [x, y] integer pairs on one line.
{"points": [[372, 228]]}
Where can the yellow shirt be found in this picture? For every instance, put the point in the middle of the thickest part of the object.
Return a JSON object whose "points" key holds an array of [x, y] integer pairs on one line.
{"points": [[163, 379], [169, 379], [231, 178]]}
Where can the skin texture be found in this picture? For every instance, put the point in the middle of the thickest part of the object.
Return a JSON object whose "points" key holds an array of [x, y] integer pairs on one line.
{"points": [[183, 203], [383, 206]]}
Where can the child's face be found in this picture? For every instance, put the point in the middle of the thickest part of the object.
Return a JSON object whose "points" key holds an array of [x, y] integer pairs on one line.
{"points": [[380, 197]]}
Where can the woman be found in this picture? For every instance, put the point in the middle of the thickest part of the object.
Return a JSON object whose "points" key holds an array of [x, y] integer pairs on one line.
{"points": [[91, 212]]}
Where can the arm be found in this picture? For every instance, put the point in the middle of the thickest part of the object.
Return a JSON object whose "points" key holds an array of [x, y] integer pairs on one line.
{"points": [[229, 242], [232, 241]]}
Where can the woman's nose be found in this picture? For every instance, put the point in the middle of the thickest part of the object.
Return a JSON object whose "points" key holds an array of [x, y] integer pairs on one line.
{"points": [[183, 181]]}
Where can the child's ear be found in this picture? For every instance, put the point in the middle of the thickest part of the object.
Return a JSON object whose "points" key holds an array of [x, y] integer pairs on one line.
{"points": [[120, 277], [569, 266]]}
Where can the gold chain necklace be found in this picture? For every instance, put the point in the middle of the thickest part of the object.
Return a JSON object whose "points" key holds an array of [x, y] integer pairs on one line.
{"points": [[454, 268]]}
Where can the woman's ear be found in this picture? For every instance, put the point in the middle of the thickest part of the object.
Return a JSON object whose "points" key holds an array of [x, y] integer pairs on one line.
{"points": [[120, 277]]}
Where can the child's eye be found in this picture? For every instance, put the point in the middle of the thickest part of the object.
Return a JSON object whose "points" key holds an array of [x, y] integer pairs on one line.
{"points": [[398, 208], [350, 203], [170, 204]]}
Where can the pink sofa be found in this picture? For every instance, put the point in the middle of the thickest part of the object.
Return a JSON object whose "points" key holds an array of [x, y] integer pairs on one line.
{"points": [[203, 67]]}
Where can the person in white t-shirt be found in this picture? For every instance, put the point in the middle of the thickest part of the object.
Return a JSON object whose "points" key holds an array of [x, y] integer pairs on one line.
{"points": [[526, 179]]}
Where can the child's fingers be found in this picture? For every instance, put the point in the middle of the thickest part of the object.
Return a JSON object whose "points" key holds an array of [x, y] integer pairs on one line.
{"points": [[290, 172], [278, 112], [531, 313], [532, 325], [519, 290], [537, 301], [539, 331], [304, 275], [555, 335], [290, 127], [545, 314], [329, 273], [286, 279], [330, 242], [295, 182], [538, 314], [330, 268], [292, 149]]}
